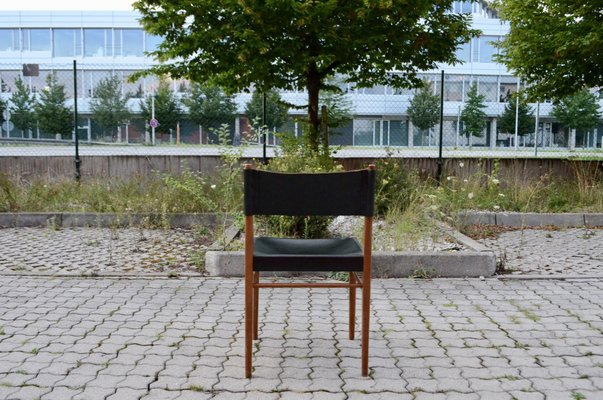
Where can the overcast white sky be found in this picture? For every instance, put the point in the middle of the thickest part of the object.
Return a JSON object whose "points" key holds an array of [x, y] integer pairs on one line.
{"points": [[26, 5]]}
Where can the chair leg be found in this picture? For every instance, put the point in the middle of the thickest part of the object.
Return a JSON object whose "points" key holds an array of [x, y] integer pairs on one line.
{"points": [[248, 323], [352, 310], [366, 315], [256, 303]]}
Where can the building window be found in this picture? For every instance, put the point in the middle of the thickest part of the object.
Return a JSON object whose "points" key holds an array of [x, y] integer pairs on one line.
{"points": [[152, 42], [483, 49], [36, 39], [66, 42], [463, 52], [487, 86], [464, 7], [129, 42], [9, 40], [453, 87], [97, 43]]}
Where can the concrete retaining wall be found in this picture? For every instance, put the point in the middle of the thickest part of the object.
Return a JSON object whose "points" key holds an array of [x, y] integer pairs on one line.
{"points": [[516, 219], [103, 220]]}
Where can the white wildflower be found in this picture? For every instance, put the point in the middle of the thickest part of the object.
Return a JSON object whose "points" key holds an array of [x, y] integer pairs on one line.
{"points": [[465, 180], [501, 195], [470, 195], [496, 207], [495, 181], [213, 186], [449, 178]]}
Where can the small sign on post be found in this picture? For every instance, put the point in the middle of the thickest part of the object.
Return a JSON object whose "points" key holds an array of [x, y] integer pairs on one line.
{"points": [[31, 69], [154, 123]]}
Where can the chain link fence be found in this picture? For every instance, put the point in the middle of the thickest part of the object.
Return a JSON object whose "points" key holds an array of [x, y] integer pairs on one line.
{"points": [[118, 115]]}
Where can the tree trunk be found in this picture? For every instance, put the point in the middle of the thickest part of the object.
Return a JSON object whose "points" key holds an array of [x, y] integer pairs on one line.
{"points": [[313, 85]]}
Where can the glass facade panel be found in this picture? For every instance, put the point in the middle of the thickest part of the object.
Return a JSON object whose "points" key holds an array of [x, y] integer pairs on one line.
{"points": [[9, 40], [462, 6], [398, 133], [363, 132], [487, 49], [39, 39], [508, 86], [66, 42], [129, 42], [97, 42], [453, 87], [463, 53], [152, 42], [487, 86]]}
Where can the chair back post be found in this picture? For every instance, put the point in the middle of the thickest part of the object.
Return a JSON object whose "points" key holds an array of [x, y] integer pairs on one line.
{"points": [[367, 245], [248, 288]]}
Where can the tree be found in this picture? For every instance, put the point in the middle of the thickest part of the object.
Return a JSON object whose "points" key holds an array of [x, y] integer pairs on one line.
{"points": [[167, 109], [22, 108], [525, 119], [277, 111], [579, 111], [473, 116], [209, 107], [424, 108], [554, 45], [52, 114], [300, 44], [109, 107]]}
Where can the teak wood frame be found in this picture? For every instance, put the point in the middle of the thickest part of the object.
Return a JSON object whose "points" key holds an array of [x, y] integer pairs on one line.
{"points": [[253, 284]]}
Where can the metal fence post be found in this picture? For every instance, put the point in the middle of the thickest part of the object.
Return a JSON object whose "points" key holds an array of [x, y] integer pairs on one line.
{"points": [[78, 162], [440, 146]]}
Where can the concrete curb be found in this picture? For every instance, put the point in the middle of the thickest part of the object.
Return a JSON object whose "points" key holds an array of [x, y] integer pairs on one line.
{"points": [[478, 261], [104, 220], [517, 219], [385, 264]]}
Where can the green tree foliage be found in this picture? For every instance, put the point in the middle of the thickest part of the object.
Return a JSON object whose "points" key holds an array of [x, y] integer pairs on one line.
{"points": [[109, 107], [525, 121], [300, 44], [167, 108], [579, 111], [53, 116], [424, 108], [208, 106], [473, 116], [276, 110], [554, 45], [22, 107], [339, 107]]}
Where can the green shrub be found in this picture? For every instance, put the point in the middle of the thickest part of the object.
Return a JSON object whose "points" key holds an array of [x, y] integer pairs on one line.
{"points": [[394, 186], [295, 156]]}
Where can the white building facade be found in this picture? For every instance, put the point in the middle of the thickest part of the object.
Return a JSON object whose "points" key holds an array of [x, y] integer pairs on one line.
{"points": [[113, 43]]}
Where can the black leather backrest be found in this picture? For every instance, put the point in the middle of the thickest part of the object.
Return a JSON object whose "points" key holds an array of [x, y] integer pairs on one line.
{"points": [[337, 193]]}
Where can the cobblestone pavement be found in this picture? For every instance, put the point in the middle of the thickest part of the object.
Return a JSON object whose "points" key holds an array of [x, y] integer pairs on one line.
{"points": [[550, 252], [103, 338], [81, 251], [93, 250]]}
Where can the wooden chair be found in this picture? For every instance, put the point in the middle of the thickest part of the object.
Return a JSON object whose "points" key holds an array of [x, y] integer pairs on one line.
{"points": [[323, 194]]}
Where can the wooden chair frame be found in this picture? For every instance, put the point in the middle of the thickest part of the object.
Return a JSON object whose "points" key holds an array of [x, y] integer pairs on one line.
{"points": [[253, 284]]}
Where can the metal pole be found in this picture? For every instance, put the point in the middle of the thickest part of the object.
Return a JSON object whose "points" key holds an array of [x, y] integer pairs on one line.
{"points": [[440, 160], [264, 159], [78, 162], [517, 115], [152, 118]]}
